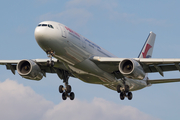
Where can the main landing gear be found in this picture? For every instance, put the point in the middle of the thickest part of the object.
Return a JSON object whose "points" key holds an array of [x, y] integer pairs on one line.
{"points": [[66, 91], [124, 93]]}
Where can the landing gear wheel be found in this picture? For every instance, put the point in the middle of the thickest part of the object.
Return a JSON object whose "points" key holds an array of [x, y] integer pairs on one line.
{"points": [[50, 63], [130, 95], [64, 96], [122, 96], [126, 88], [66, 92], [125, 91], [68, 88], [118, 88], [61, 88], [72, 96]]}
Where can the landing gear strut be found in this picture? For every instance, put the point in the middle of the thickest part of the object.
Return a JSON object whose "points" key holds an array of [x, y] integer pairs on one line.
{"points": [[66, 92], [124, 93]]}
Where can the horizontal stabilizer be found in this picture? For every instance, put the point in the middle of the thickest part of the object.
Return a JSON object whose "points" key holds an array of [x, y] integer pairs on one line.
{"points": [[163, 81]]}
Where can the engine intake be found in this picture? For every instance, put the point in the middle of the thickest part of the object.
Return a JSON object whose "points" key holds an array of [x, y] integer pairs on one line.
{"points": [[131, 69], [29, 70]]}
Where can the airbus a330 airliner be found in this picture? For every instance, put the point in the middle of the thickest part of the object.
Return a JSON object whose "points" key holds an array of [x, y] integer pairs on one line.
{"points": [[72, 55]]}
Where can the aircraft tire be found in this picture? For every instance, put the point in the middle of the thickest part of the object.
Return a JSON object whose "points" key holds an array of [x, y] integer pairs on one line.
{"points": [[48, 63], [118, 88], [61, 88], [72, 96], [52, 63], [68, 88], [130, 95], [122, 96], [64, 97]]}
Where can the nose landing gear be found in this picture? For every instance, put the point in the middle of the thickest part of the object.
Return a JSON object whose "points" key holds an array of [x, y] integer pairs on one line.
{"points": [[50, 62]]}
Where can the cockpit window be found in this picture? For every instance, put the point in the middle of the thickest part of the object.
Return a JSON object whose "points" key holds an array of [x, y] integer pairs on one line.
{"points": [[50, 26], [44, 25]]}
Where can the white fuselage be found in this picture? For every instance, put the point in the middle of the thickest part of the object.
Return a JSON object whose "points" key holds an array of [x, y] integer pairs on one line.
{"points": [[74, 51]]}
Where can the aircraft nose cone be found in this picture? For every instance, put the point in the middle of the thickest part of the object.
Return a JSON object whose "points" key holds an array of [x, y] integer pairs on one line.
{"points": [[42, 37], [39, 34]]}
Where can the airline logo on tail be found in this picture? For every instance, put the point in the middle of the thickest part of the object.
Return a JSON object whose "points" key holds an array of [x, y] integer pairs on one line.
{"points": [[146, 51]]}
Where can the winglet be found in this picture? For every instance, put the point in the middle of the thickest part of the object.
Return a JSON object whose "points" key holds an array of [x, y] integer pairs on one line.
{"points": [[147, 49]]}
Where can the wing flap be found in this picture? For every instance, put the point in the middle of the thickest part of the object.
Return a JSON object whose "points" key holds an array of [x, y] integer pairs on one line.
{"points": [[153, 65], [164, 68]]}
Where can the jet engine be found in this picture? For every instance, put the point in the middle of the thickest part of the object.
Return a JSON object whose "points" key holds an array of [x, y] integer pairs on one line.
{"points": [[29, 69], [131, 69]]}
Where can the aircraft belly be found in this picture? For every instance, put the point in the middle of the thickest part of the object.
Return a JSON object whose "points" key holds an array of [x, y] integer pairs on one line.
{"points": [[87, 71], [133, 85], [90, 78], [136, 84]]}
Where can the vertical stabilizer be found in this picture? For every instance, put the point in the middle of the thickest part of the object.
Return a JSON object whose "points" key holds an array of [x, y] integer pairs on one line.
{"points": [[147, 49]]}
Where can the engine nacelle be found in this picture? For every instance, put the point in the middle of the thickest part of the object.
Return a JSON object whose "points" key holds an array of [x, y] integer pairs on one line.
{"points": [[131, 69], [29, 69]]}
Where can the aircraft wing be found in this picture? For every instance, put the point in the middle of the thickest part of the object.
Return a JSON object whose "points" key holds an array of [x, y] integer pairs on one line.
{"points": [[150, 65], [42, 63]]}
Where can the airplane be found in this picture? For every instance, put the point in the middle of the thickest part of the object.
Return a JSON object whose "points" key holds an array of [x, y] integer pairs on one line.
{"points": [[72, 55]]}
